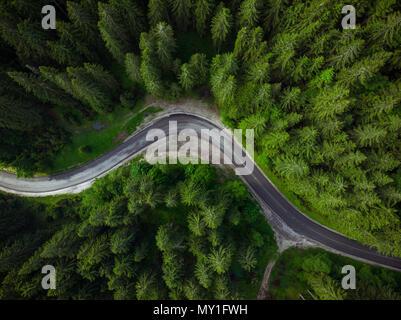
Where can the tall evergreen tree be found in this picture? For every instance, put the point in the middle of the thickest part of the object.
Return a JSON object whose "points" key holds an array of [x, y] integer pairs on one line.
{"points": [[44, 90], [182, 12], [18, 114], [221, 25], [158, 12], [203, 10]]}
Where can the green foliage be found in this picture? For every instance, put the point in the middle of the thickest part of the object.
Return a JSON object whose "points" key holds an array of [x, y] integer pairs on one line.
{"points": [[157, 12], [94, 85], [133, 65], [324, 104], [119, 23], [221, 25], [203, 10], [18, 114], [186, 252], [314, 274], [42, 89], [194, 73], [181, 10]]}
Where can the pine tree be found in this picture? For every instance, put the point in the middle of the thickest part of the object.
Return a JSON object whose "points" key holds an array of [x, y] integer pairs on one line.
{"points": [[284, 49], [124, 267], [182, 12], [117, 211], [16, 252], [84, 15], [151, 79], [43, 89], [369, 135], [114, 31], [63, 53], [203, 274], [387, 33], [71, 42], [364, 70], [213, 216], [87, 39], [173, 274], [192, 290], [325, 287], [249, 13], [61, 79], [221, 25], [291, 167], [134, 16], [18, 114], [220, 259], [171, 199], [190, 193], [64, 243], [200, 65], [165, 43], [194, 73], [10, 34], [90, 255], [102, 77], [164, 238], [196, 224], [272, 16], [203, 10], [32, 34], [259, 71], [247, 258], [146, 287], [330, 102], [347, 53], [222, 290], [187, 77], [141, 251], [256, 122], [90, 91], [133, 67], [157, 12], [291, 99]]}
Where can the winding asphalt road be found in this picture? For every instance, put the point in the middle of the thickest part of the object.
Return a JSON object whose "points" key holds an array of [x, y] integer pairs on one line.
{"points": [[79, 179]]}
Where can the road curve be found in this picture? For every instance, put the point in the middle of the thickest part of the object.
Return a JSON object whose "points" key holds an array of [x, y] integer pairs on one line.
{"points": [[81, 178]]}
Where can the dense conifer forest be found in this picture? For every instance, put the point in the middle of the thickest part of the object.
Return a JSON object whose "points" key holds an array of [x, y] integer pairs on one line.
{"points": [[315, 274], [325, 103], [142, 232]]}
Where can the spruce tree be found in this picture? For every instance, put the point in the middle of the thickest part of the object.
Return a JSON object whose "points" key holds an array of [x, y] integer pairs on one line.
{"points": [[18, 114], [221, 25]]}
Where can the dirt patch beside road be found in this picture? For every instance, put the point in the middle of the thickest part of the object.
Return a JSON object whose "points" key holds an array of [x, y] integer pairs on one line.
{"points": [[264, 287]]}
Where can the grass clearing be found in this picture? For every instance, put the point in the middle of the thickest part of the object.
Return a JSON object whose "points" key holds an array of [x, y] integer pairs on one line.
{"points": [[88, 144]]}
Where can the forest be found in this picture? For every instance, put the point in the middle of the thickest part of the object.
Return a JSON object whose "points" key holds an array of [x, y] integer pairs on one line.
{"points": [[315, 274], [325, 103], [142, 232], [165, 232]]}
